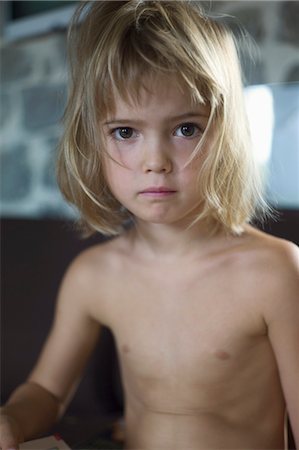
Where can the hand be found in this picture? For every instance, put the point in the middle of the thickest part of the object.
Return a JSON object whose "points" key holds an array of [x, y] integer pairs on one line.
{"points": [[10, 433]]}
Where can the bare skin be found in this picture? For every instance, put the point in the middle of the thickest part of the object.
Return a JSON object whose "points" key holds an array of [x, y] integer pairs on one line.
{"points": [[197, 362], [206, 325]]}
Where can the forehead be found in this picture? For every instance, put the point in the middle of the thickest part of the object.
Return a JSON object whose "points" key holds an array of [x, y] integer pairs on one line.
{"points": [[160, 96]]}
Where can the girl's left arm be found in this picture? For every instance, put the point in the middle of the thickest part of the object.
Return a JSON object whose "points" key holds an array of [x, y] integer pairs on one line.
{"points": [[282, 317]]}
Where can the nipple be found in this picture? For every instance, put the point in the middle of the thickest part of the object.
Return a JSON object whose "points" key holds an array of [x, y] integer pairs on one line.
{"points": [[125, 348], [221, 354]]}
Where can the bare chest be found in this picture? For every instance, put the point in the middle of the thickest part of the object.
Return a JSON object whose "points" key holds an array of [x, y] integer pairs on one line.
{"points": [[176, 337]]}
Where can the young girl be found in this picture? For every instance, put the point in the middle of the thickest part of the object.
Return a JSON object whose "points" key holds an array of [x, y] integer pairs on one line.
{"points": [[204, 308]]}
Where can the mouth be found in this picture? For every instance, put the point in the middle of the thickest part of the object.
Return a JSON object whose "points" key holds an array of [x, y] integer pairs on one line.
{"points": [[160, 191]]}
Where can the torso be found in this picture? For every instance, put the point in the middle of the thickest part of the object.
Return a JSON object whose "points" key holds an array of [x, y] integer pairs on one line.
{"points": [[197, 366]]}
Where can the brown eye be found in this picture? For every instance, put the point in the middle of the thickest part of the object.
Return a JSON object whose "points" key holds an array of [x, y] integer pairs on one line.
{"points": [[188, 130], [124, 133]]}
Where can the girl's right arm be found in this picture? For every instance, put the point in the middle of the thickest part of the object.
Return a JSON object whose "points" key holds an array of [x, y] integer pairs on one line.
{"points": [[35, 405], [30, 411]]}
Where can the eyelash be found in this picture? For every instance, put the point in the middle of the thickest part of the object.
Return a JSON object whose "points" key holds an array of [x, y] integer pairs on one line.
{"points": [[199, 131]]}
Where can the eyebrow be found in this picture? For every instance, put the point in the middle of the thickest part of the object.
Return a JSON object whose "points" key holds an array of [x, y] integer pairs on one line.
{"points": [[170, 119]]}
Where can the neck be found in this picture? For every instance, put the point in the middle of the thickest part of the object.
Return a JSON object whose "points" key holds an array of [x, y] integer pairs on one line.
{"points": [[172, 241]]}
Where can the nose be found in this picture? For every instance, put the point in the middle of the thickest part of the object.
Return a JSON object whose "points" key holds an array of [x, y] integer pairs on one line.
{"points": [[156, 157]]}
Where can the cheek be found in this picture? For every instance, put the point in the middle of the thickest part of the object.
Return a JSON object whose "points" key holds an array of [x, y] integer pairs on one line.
{"points": [[182, 154], [189, 172], [117, 177], [123, 155]]}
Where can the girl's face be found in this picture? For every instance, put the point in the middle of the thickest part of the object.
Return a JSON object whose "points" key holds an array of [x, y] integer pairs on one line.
{"points": [[149, 144]]}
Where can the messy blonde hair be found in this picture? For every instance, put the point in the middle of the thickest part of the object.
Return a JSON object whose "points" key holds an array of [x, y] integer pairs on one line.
{"points": [[113, 45]]}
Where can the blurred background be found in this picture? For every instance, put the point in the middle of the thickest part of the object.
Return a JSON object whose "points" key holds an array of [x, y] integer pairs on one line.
{"points": [[38, 239]]}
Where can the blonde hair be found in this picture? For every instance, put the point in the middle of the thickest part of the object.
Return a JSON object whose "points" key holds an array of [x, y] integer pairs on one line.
{"points": [[112, 46]]}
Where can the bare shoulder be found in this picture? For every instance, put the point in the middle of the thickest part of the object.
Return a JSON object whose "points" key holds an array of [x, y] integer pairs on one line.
{"points": [[88, 282], [96, 261], [272, 269], [272, 253]]}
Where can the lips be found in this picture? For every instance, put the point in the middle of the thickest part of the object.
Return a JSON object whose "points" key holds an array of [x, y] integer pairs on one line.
{"points": [[158, 192]]}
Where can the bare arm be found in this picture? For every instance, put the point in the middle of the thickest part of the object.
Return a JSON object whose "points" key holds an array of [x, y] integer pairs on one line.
{"points": [[282, 317], [37, 404], [31, 410]]}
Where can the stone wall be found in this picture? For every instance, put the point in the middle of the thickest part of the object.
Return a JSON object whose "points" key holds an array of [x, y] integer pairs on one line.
{"points": [[33, 94]]}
